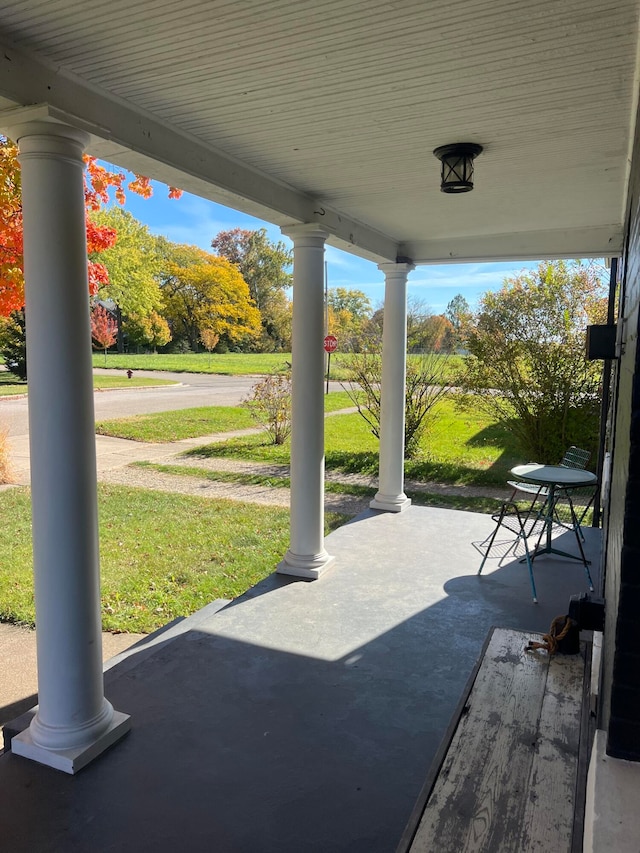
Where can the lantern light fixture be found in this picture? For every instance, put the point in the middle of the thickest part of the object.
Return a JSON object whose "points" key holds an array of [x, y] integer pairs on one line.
{"points": [[457, 166]]}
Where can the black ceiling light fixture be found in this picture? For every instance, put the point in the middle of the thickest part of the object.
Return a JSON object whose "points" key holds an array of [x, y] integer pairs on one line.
{"points": [[457, 166]]}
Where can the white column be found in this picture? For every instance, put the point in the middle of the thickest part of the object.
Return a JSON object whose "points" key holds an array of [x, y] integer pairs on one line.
{"points": [[306, 556], [391, 496], [74, 722]]}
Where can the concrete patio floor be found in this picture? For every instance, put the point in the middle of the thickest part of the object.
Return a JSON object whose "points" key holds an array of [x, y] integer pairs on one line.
{"points": [[302, 716]]}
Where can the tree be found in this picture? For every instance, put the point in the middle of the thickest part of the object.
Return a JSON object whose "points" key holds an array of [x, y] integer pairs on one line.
{"points": [[425, 387], [265, 267], [459, 315], [132, 264], [349, 313], [13, 343], [436, 334], [98, 181], [276, 324], [151, 330], [203, 291], [351, 300], [426, 331], [209, 340], [527, 349], [104, 329]]}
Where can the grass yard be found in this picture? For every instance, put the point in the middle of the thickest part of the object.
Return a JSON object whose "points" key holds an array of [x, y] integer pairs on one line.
{"points": [[336, 400], [451, 367], [191, 423], [162, 555], [174, 426], [10, 385], [238, 363], [463, 448], [232, 364]]}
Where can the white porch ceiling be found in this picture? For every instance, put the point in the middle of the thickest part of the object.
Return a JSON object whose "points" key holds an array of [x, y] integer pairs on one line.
{"points": [[329, 111]]}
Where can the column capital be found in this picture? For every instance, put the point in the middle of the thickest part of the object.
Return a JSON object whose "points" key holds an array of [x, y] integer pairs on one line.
{"points": [[306, 234], [391, 269], [49, 138]]}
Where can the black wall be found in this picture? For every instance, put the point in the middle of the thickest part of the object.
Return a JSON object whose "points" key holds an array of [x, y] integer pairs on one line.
{"points": [[620, 706]]}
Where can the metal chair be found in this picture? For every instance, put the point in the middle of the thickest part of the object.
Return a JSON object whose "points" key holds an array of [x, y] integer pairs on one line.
{"points": [[574, 457], [511, 519], [573, 505]]}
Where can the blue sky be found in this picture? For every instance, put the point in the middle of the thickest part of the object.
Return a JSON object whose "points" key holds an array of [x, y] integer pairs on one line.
{"points": [[196, 221]]}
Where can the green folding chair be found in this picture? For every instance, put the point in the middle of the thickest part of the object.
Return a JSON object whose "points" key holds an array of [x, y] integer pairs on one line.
{"points": [[510, 518]]}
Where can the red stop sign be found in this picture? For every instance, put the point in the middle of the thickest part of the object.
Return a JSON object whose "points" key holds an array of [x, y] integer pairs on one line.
{"points": [[330, 343]]}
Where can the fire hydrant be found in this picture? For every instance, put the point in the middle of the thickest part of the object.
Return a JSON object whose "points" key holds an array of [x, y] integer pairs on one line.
{"points": [[129, 373]]}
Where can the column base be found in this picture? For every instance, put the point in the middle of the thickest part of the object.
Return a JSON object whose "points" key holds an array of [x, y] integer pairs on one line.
{"points": [[72, 760], [303, 567], [390, 503]]}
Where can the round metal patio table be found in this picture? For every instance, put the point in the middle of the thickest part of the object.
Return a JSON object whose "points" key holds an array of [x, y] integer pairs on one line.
{"points": [[556, 479]]}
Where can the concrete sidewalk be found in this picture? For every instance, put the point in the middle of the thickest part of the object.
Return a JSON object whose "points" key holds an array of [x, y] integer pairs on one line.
{"points": [[110, 453]]}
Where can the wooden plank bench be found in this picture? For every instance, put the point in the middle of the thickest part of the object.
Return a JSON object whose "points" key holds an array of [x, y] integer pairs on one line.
{"points": [[506, 777]]}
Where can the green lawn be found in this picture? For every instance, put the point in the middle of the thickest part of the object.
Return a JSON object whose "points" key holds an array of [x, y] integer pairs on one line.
{"points": [[336, 400], [183, 423], [236, 363], [453, 364], [191, 423], [162, 555], [229, 363], [461, 448], [10, 385]]}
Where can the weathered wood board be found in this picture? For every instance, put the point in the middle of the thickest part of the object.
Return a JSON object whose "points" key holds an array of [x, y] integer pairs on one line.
{"points": [[507, 782]]}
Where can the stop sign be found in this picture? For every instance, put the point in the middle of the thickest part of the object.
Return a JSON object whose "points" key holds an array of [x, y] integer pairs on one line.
{"points": [[330, 343]]}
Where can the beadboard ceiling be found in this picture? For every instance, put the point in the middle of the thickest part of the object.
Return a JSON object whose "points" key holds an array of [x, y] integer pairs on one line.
{"points": [[329, 111]]}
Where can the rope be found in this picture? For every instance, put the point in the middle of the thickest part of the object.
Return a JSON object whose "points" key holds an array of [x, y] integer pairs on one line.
{"points": [[559, 629]]}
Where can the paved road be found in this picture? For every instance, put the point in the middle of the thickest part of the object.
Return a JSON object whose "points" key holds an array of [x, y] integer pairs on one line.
{"points": [[196, 389]]}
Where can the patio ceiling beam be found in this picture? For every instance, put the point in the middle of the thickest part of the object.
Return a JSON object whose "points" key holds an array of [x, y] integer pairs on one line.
{"points": [[135, 140], [599, 242]]}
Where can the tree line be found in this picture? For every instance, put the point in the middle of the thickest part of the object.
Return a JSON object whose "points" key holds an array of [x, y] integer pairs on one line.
{"points": [[168, 295]]}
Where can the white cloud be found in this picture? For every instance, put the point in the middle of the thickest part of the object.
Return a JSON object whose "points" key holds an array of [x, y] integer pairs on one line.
{"points": [[464, 276]]}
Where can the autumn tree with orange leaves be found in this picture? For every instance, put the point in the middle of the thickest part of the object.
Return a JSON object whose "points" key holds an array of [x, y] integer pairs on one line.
{"points": [[98, 181]]}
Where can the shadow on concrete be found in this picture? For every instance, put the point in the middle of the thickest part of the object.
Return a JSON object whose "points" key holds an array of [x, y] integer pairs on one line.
{"points": [[303, 720]]}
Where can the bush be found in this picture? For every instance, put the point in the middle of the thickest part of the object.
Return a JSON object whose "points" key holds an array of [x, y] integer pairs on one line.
{"points": [[527, 367], [270, 405], [179, 346], [425, 386]]}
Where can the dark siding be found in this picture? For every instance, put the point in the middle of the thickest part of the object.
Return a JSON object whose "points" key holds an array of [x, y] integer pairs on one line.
{"points": [[621, 662]]}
